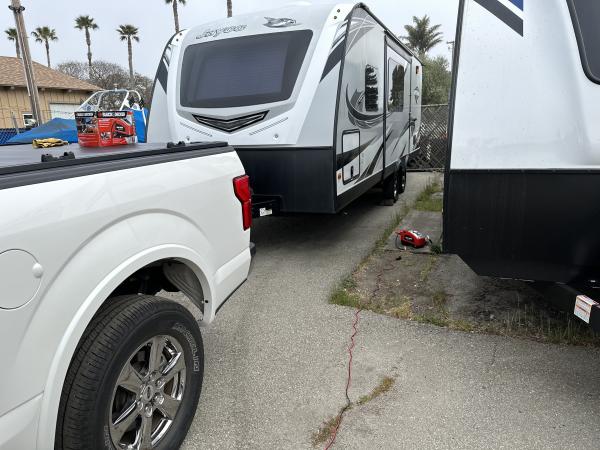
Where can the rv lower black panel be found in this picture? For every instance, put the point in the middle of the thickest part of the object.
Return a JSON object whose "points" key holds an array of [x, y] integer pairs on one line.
{"points": [[533, 225], [302, 178]]}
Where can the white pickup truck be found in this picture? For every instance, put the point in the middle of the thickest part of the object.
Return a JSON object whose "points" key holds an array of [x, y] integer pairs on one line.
{"points": [[90, 357]]}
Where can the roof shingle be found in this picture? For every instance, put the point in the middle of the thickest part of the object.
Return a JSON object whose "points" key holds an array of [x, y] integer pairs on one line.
{"points": [[13, 74]]}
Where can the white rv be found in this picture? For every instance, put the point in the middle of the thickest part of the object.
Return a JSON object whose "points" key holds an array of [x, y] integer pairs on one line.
{"points": [[523, 176], [321, 102]]}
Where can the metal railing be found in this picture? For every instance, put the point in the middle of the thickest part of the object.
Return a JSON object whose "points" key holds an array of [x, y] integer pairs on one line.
{"points": [[433, 145]]}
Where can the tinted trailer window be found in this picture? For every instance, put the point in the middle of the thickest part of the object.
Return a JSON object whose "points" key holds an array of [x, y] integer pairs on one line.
{"points": [[586, 19], [243, 71]]}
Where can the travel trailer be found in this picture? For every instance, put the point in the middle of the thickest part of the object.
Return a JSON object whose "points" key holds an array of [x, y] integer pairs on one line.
{"points": [[523, 178], [321, 102]]}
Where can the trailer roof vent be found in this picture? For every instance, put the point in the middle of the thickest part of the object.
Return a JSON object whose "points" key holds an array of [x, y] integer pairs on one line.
{"points": [[231, 125]]}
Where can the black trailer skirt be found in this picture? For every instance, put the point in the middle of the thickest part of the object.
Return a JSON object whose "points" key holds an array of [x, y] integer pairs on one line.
{"points": [[301, 179], [535, 225]]}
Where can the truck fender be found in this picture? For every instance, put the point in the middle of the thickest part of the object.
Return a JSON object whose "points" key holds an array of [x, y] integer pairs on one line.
{"points": [[83, 316]]}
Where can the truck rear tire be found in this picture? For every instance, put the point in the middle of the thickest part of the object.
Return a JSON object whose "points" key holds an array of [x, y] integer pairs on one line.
{"points": [[135, 378]]}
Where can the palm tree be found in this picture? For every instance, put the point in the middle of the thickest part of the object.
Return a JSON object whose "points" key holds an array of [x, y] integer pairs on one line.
{"points": [[175, 12], [422, 37], [229, 8], [129, 33], [87, 23], [45, 35], [11, 35]]}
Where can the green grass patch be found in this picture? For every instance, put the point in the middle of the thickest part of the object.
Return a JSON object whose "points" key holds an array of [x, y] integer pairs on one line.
{"points": [[440, 298], [429, 199], [432, 319], [324, 432], [404, 311], [384, 386], [344, 295], [462, 325], [322, 435]]}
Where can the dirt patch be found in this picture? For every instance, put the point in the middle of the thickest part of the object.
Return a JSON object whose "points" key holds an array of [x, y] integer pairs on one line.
{"points": [[441, 290]]}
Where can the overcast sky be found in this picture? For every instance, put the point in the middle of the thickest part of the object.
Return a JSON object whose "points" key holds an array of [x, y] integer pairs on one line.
{"points": [[155, 21]]}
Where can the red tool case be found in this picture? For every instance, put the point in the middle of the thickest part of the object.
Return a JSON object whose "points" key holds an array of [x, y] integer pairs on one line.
{"points": [[105, 128]]}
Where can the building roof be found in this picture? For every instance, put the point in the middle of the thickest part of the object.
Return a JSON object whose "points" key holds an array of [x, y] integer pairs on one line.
{"points": [[13, 74]]}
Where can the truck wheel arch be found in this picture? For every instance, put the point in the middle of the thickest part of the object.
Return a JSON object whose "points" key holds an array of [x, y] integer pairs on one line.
{"points": [[184, 258]]}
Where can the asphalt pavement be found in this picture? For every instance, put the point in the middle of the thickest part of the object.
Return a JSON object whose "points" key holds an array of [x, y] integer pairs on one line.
{"points": [[276, 360]]}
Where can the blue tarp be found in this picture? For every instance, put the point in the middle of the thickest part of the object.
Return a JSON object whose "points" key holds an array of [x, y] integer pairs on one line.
{"points": [[57, 128], [65, 129]]}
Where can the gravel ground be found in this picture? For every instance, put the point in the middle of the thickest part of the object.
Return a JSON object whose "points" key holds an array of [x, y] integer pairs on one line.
{"points": [[276, 360]]}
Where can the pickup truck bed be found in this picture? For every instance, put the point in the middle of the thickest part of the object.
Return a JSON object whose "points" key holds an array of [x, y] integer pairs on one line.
{"points": [[22, 154], [22, 164]]}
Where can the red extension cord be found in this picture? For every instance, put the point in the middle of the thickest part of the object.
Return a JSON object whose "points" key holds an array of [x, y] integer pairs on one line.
{"points": [[349, 379], [350, 356]]}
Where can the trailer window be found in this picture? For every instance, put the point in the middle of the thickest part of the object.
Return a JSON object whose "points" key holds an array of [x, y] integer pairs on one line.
{"points": [[371, 89], [396, 86], [586, 17], [243, 71]]}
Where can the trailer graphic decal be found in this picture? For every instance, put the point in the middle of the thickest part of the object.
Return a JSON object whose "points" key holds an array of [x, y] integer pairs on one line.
{"points": [[162, 75], [518, 3], [358, 118], [335, 57], [357, 30], [505, 13]]}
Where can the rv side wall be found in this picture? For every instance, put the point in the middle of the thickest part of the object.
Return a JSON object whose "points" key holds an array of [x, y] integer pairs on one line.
{"points": [[375, 99], [522, 187]]}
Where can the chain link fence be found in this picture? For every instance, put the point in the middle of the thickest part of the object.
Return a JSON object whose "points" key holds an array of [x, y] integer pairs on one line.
{"points": [[433, 145]]}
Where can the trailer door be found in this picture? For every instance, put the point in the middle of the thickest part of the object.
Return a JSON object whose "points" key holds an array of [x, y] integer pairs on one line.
{"points": [[398, 103]]}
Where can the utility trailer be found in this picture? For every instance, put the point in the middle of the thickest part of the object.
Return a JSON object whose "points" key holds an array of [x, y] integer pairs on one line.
{"points": [[523, 175], [321, 102]]}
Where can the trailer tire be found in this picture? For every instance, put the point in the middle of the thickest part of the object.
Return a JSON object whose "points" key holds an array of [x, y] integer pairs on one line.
{"points": [[136, 375], [402, 177], [391, 188]]}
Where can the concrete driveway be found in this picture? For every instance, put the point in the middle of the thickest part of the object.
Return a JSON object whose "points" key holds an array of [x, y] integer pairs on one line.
{"points": [[276, 360]]}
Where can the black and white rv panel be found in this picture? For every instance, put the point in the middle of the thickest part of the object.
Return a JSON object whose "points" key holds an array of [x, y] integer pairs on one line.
{"points": [[322, 103], [523, 181]]}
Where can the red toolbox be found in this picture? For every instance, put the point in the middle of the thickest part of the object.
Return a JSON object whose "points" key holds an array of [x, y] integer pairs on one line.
{"points": [[105, 128]]}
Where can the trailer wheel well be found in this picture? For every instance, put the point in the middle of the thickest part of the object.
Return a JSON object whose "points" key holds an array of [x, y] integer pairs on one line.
{"points": [[169, 275]]}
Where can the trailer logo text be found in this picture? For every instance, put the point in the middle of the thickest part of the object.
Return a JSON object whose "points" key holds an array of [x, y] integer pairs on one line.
{"points": [[281, 22], [219, 31]]}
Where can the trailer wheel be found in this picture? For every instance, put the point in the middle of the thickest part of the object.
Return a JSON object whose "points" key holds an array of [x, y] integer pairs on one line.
{"points": [[391, 188], [402, 177], [135, 379]]}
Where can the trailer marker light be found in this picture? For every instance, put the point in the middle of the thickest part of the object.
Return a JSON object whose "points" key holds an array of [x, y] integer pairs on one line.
{"points": [[241, 188], [583, 307]]}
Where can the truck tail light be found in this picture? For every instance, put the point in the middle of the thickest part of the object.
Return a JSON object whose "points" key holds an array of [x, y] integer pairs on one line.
{"points": [[241, 187]]}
